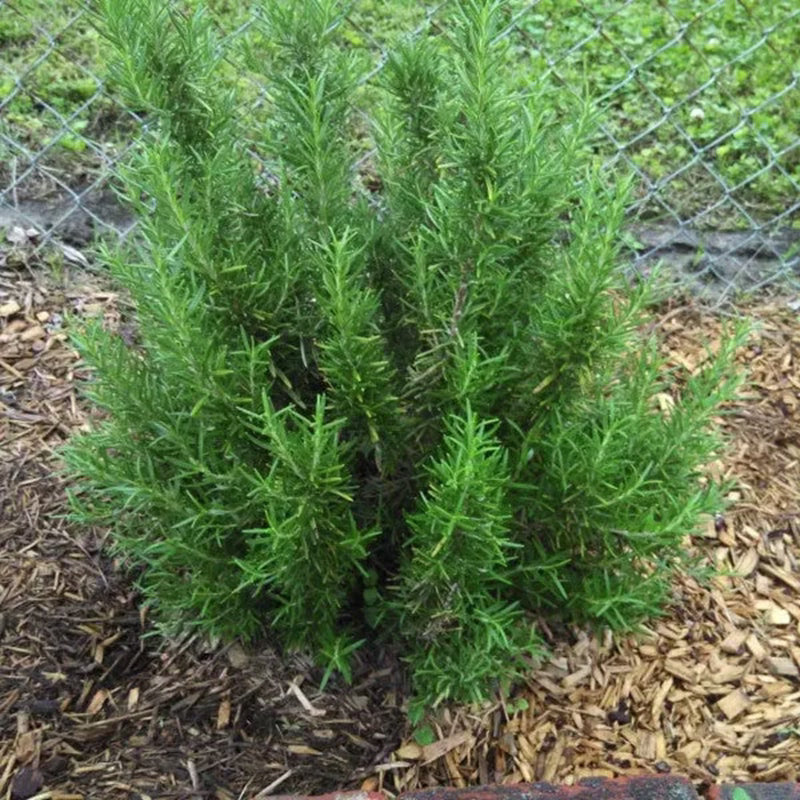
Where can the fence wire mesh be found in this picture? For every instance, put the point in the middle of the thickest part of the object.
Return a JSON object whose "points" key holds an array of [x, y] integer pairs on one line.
{"points": [[700, 100]]}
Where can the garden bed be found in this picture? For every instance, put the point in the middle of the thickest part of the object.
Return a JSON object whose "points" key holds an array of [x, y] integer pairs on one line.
{"points": [[710, 691]]}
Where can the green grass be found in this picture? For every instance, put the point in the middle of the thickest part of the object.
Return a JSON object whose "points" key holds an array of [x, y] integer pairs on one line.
{"points": [[50, 88], [699, 69], [704, 92]]}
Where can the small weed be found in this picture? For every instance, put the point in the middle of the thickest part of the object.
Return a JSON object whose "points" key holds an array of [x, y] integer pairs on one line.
{"points": [[54, 259], [424, 735], [516, 705]]}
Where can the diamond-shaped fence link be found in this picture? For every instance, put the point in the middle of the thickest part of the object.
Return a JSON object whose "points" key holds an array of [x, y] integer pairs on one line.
{"points": [[699, 99]]}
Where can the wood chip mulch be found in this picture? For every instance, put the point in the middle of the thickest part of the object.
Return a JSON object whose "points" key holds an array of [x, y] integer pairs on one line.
{"points": [[89, 708], [710, 691]]}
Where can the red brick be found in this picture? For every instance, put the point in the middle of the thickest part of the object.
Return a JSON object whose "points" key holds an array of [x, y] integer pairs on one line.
{"points": [[755, 791], [646, 787]]}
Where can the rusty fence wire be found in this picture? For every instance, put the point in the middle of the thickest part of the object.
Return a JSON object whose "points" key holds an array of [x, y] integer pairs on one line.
{"points": [[700, 100]]}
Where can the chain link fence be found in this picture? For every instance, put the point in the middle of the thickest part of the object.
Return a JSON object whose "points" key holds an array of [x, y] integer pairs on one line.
{"points": [[700, 100]]}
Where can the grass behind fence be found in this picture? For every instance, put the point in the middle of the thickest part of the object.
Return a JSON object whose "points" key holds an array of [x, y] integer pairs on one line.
{"points": [[701, 99]]}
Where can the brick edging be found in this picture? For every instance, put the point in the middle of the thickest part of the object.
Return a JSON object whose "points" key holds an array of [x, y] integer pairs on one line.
{"points": [[642, 787]]}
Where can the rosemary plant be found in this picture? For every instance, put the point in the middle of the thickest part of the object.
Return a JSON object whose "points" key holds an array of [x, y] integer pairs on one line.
{"points": [[403, 401]]}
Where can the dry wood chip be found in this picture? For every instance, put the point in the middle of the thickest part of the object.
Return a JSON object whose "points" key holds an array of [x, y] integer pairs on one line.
{"points": [[652, 746], [778, 616], [577, 677], [680, 670], [26, 746], [734, 642], [527, 750], [34, 332], [727, 538], [436, 750], [97, 702], [546, 683], [747, 563], [369, 784], [409, 752], [15, 326], [10, 307], [304, 701], [689, 753], [734, 704], [660, 696], [793, 609], [783, 666], [782, 575], [525, 770], [553, 759], [508, 743], [755, 647], [223, 714], [74, 256], [772, 690], [763, 585], [303, 750], [560, 663]]}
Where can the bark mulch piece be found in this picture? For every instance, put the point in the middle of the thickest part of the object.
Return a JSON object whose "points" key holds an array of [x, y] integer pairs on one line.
{"points": [[89, 708]]}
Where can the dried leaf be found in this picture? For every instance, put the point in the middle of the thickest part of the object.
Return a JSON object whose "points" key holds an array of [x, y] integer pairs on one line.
{"points": [[21, 236], [237, 656]]}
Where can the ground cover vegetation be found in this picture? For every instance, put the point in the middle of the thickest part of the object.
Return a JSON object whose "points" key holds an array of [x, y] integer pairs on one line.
{"points": [[703, 95]]}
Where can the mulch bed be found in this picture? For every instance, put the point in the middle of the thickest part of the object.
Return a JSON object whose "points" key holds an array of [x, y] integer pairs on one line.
{"points": [[89, 708]]}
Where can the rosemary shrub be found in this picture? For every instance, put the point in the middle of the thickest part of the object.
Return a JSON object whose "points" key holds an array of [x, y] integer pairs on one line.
{"points": [[408, 402]]}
